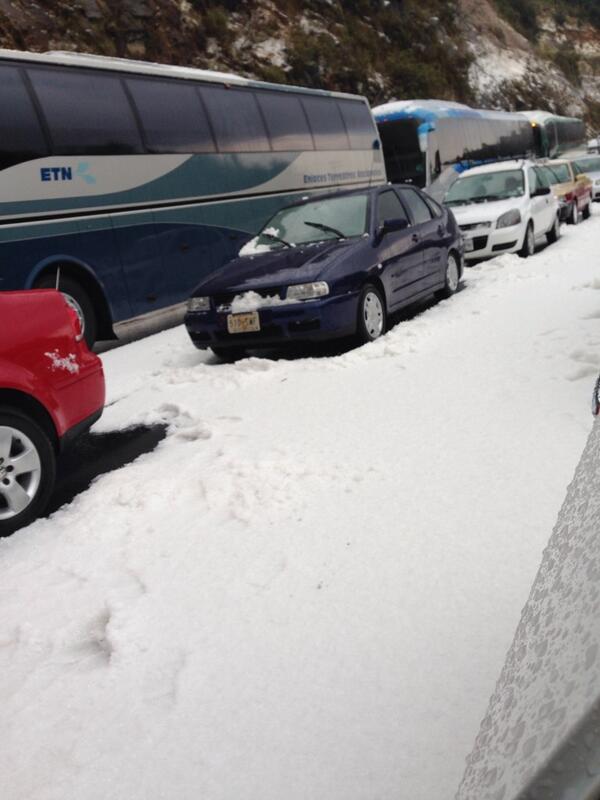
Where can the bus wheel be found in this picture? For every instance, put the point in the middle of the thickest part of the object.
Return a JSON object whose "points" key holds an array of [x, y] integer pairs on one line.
{"points": [[78, 299]]}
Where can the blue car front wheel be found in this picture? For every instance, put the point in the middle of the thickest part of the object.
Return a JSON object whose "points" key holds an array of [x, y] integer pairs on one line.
{"points": [[371, 314]]}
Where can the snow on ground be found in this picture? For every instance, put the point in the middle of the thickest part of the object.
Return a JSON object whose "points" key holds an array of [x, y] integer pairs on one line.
{"points": [[308, 589]]}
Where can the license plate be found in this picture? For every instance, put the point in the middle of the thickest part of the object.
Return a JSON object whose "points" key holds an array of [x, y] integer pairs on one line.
{"points": [[469, 245], [243, 323]]}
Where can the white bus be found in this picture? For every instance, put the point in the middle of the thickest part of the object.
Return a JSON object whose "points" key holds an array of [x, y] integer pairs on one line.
{"points": [[428, 142], [127, 183]]}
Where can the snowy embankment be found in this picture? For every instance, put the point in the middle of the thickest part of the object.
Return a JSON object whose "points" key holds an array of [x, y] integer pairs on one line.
{"points": [[308, 589]]}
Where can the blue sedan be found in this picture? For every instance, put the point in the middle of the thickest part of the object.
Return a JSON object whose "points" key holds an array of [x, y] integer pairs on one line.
{"points": [[328, 267]]}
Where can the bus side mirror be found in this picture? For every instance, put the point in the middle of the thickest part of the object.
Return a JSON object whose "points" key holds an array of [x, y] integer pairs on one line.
{"points": [[541, 191]]}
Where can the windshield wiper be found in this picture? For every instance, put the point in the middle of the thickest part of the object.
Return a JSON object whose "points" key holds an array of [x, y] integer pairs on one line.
{"points": [[322, 227], [485, 198], [275, 238]]}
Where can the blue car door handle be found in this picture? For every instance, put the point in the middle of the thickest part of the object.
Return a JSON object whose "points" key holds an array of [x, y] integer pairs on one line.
{"points": [[415, 237]]}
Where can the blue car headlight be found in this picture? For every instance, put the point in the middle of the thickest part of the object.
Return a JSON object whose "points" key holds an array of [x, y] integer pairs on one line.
{"points": [[198, 304], [307, 291]]}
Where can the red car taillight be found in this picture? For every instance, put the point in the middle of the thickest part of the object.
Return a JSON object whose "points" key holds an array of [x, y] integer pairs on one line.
{"points": [[75, 322], [569, 197]]}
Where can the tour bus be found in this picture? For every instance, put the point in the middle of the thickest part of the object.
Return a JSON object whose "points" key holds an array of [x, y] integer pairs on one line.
{"points": [[556, 136], [425, 142], [125, 183]]}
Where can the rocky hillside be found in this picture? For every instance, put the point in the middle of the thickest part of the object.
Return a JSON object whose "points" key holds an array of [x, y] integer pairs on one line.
{"points": [[536, 53], [502, 53]]}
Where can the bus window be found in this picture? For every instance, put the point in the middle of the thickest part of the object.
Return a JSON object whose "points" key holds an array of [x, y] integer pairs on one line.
{"points": [[553, 147], [172, 116], [236, 120], [326, 123], [359, 124], [286, 121], [87, 113], [21, 137], [452, 140]]}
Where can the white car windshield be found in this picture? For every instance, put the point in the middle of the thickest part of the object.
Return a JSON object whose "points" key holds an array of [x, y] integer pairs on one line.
{"points": [[486, 187], [331, 218]]}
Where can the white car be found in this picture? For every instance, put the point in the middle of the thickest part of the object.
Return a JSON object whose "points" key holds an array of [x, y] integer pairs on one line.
{"points": [[506, 207], [590, 166]]}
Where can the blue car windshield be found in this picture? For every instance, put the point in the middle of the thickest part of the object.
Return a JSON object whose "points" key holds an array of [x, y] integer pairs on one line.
{"points": [[486, 187], [330, 218]]}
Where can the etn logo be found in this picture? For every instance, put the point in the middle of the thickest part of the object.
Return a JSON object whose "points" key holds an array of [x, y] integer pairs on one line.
{"points": [[66, 173], [56, 174]]}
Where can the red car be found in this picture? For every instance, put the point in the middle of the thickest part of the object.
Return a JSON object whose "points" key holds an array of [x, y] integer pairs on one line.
{"points": [[51, 390]]}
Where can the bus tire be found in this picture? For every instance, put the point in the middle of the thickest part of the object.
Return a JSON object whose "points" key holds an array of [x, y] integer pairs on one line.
{"points": [[78, 299]]}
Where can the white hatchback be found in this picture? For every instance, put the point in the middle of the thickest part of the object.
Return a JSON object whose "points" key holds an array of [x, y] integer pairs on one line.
{"points": [[506, 207]]}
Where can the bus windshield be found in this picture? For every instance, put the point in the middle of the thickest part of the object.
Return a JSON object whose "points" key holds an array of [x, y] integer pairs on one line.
{"points": [[331, 218], [486, 187], [404, 161]]}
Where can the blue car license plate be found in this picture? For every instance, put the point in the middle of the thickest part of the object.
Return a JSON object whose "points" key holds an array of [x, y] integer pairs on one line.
{"points": [[243, 323]]}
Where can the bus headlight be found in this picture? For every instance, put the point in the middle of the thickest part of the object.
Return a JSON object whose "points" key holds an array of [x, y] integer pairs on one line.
{"points": [[307, 291], [198, 304], [509, 219]]}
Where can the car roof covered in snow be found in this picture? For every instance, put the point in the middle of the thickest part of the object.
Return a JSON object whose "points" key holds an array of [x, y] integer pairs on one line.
{"points": [[498, 166]]}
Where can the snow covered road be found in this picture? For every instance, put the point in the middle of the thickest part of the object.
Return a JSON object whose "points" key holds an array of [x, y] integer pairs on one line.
{"points": [[308, 589]]}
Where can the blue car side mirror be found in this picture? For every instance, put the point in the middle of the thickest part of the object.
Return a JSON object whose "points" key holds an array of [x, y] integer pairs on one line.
{"points": [[392, 225]]}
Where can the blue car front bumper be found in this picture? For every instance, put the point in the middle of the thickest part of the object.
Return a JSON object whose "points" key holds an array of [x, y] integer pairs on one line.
{"points": [[307, 321]]}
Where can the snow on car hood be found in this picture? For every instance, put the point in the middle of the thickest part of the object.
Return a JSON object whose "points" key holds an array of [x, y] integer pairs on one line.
{"points": [[276, 268], [486, 212]]}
